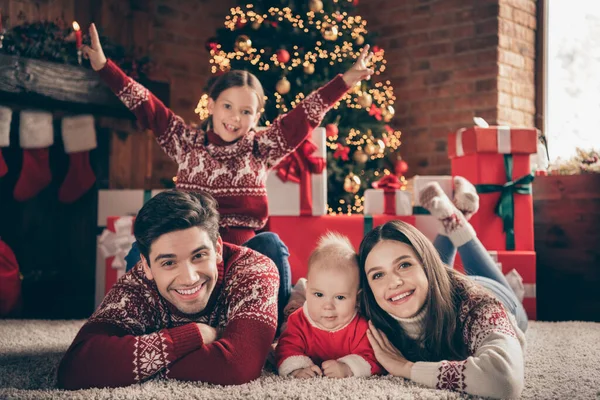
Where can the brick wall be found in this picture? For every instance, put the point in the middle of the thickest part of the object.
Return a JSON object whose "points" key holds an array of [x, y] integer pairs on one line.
{"points": [[451, 60]]}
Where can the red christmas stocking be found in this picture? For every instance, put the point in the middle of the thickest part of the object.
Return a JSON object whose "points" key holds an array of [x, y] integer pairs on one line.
{"points": [[10, 280], [3, 167], [79, 137], [36, 137], [5, 118]]}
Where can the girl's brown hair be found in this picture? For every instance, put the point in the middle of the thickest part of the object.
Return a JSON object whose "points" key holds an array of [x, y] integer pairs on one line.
{"points": [[442, 338]]}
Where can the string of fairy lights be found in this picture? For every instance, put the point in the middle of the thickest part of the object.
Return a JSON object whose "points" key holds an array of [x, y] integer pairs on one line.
{"points": [[377, 100]]}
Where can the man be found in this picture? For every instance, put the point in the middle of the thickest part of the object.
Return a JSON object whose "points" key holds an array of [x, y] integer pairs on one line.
{"points": [[194, 308]]}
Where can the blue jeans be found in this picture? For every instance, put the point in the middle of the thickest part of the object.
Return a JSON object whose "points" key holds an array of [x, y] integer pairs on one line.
{"points": [[266, 243], [482, 269]]}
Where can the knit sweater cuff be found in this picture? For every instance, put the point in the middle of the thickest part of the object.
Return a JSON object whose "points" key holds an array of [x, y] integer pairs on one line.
{"points": [[113, 76], [333, 90], [425, 373], [186, 338]]}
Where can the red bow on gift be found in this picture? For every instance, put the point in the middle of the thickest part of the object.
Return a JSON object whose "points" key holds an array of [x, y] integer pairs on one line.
{"points": [[375, 111], [341, 152], [297, 167], [389, 184]]}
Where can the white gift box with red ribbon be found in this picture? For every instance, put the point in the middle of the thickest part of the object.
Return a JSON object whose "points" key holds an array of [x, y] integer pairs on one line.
{"points": [[114, 243], [375, 202], [388, 198], [301, 192]]}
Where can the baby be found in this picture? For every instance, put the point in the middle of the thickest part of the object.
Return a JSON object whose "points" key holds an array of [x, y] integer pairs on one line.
{"points": [[326, 336]]}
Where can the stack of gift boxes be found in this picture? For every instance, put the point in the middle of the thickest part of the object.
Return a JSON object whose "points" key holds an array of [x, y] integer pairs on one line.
{"points": [[495, 159]]}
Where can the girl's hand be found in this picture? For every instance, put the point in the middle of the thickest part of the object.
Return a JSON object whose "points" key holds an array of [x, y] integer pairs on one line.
{"points": [[336, 369], [308, 372], [94, 53], [388, 356], [359, 70]]}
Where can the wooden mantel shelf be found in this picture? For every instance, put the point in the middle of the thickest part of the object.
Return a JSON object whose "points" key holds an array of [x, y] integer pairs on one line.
{"points": [[31, 83]]}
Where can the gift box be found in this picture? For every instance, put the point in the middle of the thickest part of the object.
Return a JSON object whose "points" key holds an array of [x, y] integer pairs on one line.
{"points": [[517, 267], [298, 185], [418, 182], [301, 234], [387, 197], [122, 202], [493, 139], [497, 161], [113, 245], [428, 225]]}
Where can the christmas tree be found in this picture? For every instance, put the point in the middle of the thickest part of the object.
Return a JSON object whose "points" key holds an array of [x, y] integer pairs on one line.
{"points": [[294, 47]]}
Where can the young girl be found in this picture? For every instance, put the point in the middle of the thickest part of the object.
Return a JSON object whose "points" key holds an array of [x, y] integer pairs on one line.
{"points": [[432, 324], [230, 161], [327, 336]]}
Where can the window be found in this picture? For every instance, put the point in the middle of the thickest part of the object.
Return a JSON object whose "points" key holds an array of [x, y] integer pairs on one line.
{"points": [[572, 117]]}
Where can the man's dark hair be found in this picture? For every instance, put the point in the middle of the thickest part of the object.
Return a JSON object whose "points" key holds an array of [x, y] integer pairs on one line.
{"points": [[175, 210]]}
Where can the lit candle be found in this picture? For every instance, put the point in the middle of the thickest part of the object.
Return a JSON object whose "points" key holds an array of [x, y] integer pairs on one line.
{"points": [[78, 39]]}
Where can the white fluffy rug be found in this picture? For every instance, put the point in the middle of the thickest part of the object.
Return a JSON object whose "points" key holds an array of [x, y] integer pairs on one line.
{"points": [[562, 362]]}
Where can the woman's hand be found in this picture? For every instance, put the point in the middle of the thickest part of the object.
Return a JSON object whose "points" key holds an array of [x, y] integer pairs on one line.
{"points": [[94, 53], [359, 70], [387, 355]]}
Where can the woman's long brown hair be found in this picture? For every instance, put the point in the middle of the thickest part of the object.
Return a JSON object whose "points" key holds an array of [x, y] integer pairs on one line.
{"points": [[442, 338]]}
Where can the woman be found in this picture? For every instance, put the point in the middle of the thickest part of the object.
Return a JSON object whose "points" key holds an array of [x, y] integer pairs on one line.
{"points": [[432, 324]]}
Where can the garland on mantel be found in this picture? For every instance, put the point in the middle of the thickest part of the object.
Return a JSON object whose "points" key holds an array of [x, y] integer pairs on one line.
{"points": [[55, 41]]}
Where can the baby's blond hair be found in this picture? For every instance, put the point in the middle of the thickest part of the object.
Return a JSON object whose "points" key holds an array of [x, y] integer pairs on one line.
{"points": [[338, 251]]}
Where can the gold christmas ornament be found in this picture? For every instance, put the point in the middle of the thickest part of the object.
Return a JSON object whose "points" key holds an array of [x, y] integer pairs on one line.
{"points": [[256, 25], [243, 43], [351, 183], [388, 113], [309, 69], [283, 86], [360, 156], [360, 40], [370, 148], [329, 32], [315, 5], [365, 100]]}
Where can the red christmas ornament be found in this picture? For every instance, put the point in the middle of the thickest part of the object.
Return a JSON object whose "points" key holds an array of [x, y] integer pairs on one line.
{"points": [[331, 130], [400, 167], [375, 49], [240, 23], [283, 56], [355, 3], [211, 44], [389, 129], [274, 24]]}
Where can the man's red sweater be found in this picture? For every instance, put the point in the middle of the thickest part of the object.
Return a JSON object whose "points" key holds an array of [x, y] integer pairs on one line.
{"points": [[235, 173], [136, 334]]}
